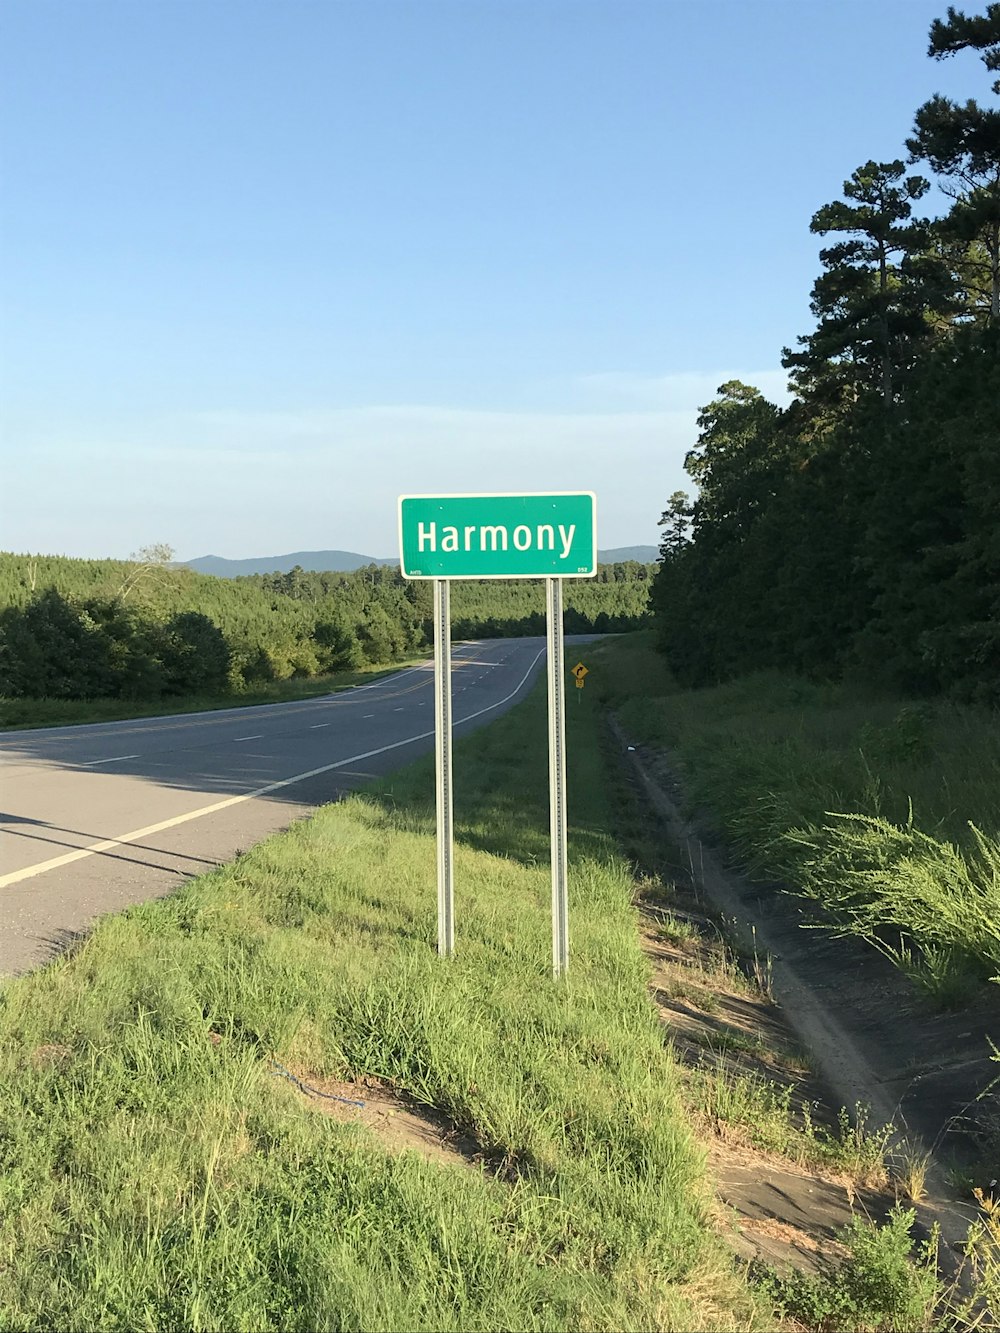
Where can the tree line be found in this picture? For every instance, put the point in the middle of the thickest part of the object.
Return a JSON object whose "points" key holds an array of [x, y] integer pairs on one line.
{"points": [[858, 529], [146, 628]]}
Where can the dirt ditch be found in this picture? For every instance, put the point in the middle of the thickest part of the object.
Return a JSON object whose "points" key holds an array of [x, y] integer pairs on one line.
{"points": [[772, 1210], [869, 1039]]}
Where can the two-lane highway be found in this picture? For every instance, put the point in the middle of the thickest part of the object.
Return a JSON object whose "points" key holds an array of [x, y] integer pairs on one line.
{"points": [[100, 816]]}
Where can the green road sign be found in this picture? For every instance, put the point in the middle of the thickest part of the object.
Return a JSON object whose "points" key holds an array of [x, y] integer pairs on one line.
{"points": [[529, 536]]}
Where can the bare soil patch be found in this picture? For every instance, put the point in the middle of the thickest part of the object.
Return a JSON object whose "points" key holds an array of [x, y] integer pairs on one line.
{"points": [[398, 1125]]}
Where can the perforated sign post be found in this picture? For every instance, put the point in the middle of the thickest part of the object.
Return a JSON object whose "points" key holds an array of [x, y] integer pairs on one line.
{"points": [[551, 535]]}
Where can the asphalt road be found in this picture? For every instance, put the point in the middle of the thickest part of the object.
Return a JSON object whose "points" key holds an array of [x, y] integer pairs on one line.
{"points": [[98, 817]]}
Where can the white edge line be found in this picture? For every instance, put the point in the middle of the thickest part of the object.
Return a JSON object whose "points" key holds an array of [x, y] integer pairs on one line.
{"points": [[117, 759], [8, 734], [95, 847]]}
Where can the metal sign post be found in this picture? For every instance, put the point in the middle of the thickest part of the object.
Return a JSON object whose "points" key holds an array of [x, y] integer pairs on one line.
{"points": [[557, 775], [442, 767], [535, 534]]}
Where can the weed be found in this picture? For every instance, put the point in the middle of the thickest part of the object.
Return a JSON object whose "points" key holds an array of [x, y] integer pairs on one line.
{"points": [[692, 990], [860, 1148], [675, 930], [887, 1284], [949, 977], [960, 1178], [982, 1250], [876, 876], [906, 737], [729, 1039], [910, 1172], [762, 974], [770, 1117]]}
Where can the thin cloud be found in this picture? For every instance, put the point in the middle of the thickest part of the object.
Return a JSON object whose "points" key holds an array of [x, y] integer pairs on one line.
{"points": [[681, 391], [417, 422]]}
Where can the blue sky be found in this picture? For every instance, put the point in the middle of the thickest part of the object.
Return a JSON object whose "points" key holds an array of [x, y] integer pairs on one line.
{"points": [[265, 266]]}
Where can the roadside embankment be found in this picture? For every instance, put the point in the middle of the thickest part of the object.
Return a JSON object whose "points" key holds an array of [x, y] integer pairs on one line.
{"points": [[522, 1159]]}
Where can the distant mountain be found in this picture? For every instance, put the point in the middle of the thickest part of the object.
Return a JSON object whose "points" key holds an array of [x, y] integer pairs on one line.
{"points": [[646, 555], [343, 561], [318, 561]]}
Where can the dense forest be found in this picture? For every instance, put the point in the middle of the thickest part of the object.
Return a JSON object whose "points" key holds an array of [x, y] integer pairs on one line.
{"points": [[143, 629], [857, 530]]}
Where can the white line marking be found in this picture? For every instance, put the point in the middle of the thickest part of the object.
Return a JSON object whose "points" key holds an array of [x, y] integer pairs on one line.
{"points": [[365, 716], [238, 740], [92, 763], [183, 719], [388, 680], [398, 710], [68, 857], [316, 725]]}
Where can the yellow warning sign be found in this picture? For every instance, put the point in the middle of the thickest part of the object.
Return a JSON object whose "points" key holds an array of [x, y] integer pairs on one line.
{"points": [[579, 671], [580, 682]]}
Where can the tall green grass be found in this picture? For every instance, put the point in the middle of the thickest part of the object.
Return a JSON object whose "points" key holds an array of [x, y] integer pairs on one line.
{"points": [[885, 811], [156, 1175]]}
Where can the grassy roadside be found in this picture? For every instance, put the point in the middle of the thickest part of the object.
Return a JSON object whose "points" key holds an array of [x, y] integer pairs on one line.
{"points": [[886, 812], [26, 713], [156, 1175]]}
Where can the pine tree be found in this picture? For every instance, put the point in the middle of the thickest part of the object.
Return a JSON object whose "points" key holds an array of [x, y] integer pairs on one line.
{"points": [[868, 301], [961, 142], [676, 523]]}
